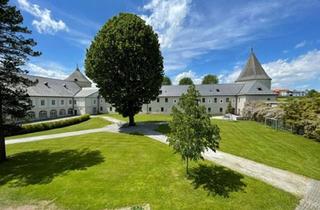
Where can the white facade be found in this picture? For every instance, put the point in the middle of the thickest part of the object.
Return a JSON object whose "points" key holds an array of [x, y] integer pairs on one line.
{"points": [[54, 98]]}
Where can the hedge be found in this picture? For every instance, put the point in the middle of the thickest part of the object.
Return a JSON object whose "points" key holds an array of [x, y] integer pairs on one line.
{"points": [[34, 127]]}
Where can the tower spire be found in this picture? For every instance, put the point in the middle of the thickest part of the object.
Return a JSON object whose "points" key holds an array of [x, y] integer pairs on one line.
{"points": [[251, 50]]}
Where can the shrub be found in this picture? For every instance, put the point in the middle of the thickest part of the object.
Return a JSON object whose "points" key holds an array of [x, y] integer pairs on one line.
{"points": [[30, 128]]}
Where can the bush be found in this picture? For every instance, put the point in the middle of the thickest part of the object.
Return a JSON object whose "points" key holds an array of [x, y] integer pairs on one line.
{"points": [[30, 128]]}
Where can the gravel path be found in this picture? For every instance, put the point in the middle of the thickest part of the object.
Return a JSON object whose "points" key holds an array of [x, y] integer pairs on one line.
{"points": [[306, 188]]}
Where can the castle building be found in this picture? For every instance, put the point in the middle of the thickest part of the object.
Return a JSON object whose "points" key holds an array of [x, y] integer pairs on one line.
{"points": [[53, 98]]}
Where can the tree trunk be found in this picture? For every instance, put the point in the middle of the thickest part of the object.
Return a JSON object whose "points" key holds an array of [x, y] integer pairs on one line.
{"points": [[187, 166], [131, 120], [3, 155]]}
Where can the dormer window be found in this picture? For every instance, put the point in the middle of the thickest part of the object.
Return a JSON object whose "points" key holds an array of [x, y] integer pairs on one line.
{"points": [[218, 90], [75, 79], [259, 88], [46, 84], [65, 85]]}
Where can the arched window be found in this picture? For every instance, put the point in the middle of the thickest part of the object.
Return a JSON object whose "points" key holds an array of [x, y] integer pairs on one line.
{"points": [[43, 114], [70, 111], [31, 115], [62, 112], [53, 113]]}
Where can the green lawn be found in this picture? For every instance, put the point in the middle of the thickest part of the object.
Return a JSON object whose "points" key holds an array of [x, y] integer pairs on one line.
{"points": [[265, 145], [105, 170], [143, 117], [89, 124]]}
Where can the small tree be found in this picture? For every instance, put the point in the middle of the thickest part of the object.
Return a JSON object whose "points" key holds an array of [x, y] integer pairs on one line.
{"points": [[210, 79], [230, 109], [166, 81], [191, 131], [186, 81], [125, 61], [14, 51]]}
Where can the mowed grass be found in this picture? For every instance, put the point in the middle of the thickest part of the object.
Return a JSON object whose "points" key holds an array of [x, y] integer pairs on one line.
{"points": [[89, 124], [280, 149], [262, 144], [143, 117], [104, 170]]}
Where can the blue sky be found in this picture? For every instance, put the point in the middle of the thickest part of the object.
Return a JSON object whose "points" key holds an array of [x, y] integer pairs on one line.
{"points": [[197, 37]]}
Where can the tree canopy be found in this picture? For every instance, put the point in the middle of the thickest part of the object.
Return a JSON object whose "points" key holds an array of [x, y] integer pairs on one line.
{"points": [[210, 79], [125, 62], [14, 52], [191, 131], [186, 81], [166, 81]]}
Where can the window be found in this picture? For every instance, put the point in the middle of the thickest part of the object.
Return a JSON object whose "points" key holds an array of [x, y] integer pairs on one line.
{"points": [[203, 100], [62, 112], [215, 100], [53, 113], [162, 109], [31, 102], [94, 101], [42, 102], [221, 101], [259, 88], [62, 102], [74, 102], [268, 99], [53, 102], [158, 100], [209, 100], [227, 100], [110, 109], [160, 92], [70, 111], [70, 101], [221, 109], [101, 108], [166, 100], [218, 90], [43, 114], [150, 109], [175, 101], [209, 109]]}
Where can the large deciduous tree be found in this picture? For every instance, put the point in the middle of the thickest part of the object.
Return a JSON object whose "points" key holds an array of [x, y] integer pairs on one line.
{"points": [[210, 79], [186, 81], [166, 81], [191, 131], [14, 52], [125, 61]]}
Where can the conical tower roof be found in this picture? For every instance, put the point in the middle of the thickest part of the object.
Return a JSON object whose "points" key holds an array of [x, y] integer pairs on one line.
{"points": [[77, 76], [253, 70]]}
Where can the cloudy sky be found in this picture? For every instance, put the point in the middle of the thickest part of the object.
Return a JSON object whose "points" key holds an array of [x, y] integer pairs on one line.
{"points": [[197, 36]]}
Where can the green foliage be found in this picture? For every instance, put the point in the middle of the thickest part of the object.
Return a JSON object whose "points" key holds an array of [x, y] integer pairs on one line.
{"points": [[186, 81], [210, 79], [304, 116], [41, 126], [313, 93], [191, 131], [14, 52], [166, 81], [230, 109], [125, 61]]}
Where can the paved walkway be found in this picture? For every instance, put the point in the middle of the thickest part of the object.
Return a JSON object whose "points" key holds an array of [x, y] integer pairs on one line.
{"points": [[303, 187]]}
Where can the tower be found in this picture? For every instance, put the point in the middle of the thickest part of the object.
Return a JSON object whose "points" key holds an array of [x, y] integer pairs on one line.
{"points": [[253, 71], [79, 78]]}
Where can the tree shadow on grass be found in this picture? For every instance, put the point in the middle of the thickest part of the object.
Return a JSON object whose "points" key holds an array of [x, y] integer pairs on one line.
{"points": [[216, 180], [40, 167]]}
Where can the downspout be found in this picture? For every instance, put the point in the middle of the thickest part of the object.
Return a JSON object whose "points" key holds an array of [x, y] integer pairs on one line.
{"points": [[98, 104]]}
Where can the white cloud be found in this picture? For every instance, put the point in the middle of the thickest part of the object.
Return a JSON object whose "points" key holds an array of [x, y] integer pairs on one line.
{"points": [[301, 44], [300, 70], [166, 18], [44, 23], [195, 78], [187, 30], [294, 73], [51, 70]]}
